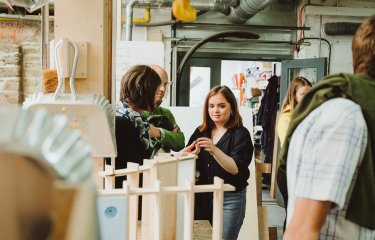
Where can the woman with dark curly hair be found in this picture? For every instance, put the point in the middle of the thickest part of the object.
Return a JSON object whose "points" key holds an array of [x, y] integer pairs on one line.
{"points": [[138, 89]]}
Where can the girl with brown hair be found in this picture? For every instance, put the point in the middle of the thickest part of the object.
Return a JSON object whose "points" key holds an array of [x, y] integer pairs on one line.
{"points": [[224, 149]]}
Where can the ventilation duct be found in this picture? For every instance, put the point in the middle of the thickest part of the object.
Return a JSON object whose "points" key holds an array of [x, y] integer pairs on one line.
{"points": [[210, 6], [238, 11], [222, 6], [247, 9], [340, 28], [29, 5], [204, 5]]}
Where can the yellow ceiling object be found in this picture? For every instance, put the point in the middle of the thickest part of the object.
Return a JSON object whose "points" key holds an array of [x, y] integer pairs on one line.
{"points": [[146, 18], [183, 11]]}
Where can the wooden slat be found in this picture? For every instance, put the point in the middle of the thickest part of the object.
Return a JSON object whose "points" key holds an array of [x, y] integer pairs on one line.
{"points": [[263, 167], [275, 161], [263, 223]]}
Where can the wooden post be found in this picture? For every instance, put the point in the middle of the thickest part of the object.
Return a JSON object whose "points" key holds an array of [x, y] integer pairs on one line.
{"points": [[217, 215], [157, 235], [133, 181], [128, 207], [167, 175], [189, 210], [109, 181], [149, 177], [186, 171]]}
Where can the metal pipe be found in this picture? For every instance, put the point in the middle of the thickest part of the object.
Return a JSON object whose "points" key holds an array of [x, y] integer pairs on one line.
{"points": [[129, 19], [13, 17], [218, 25], [320, 34], [45, 37], [340, 28], [210, 6], [232, 3], [149, 3], [222, 6], [146, 18], [246, 9], [253, 41]]}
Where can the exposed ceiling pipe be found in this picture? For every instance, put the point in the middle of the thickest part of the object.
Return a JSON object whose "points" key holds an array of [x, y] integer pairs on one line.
{"points": [[146, 18], [30, 6], [214, 5], [150, 3], [44, 25], [129, 19], [340, 28], [129, 12], [13, 17], [247, 9], [240, 10]]}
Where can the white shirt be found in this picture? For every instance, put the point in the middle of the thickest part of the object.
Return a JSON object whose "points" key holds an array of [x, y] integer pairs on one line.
{"points": [[324, 154]]}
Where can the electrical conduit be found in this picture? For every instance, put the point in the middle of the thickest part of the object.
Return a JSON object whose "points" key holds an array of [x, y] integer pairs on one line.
{"points": [[129, 19], [146, 18]]}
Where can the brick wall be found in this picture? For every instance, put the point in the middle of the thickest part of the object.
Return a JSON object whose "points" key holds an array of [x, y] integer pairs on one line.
{"points": [[31, 66], [20, 66], [10, 73]]}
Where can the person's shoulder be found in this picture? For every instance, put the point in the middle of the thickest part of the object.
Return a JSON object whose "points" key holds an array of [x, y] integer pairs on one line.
{"points": [[198, 133], [338, 111], [339, 105], [146, 114], [286, 115], [338, 76], [286, 110], [284, 120], [162, 110]]}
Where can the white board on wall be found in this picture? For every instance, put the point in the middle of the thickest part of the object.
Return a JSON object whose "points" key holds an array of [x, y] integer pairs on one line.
{"points": [[130, 53]]}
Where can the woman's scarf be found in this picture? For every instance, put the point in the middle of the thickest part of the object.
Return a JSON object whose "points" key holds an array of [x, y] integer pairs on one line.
{"points": [[140, 123]]}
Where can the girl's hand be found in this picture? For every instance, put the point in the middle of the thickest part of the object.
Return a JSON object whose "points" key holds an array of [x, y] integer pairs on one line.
{"points": [[206, 144], [192, 148]]}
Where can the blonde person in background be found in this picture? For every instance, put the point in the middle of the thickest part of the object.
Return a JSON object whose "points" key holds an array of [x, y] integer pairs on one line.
{"points": [[296, 91]]}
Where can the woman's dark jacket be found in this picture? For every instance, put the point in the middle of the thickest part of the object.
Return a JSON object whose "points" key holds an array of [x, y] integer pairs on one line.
{"points": [[237, 144]]}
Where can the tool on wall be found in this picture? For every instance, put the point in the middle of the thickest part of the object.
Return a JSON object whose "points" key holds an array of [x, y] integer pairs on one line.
{"points": [[91, 114]]}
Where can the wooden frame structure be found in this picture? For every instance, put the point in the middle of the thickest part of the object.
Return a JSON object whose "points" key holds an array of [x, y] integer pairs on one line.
{"points": [[159, 201]]}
